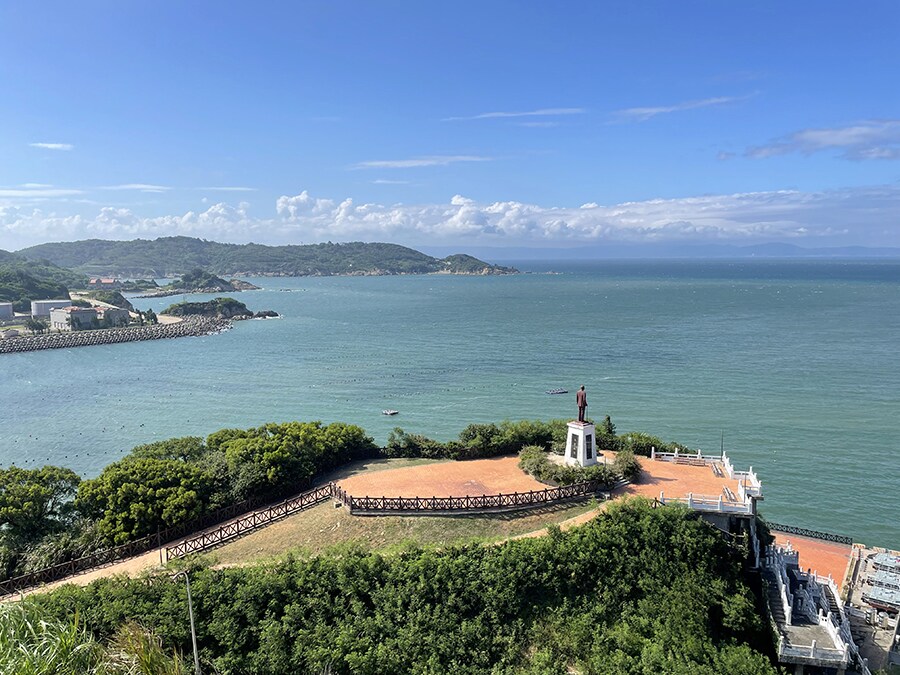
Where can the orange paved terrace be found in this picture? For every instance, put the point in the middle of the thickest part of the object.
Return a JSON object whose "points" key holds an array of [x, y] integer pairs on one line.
{"points": [[677, 480], [446, 479], [823, 557], [502, 474]]}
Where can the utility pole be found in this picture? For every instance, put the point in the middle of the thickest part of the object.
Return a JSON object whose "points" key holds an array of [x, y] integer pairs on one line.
{"points": [[187, 582]]}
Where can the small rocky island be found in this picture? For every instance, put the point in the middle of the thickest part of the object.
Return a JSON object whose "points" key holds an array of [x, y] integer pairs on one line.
{"points": [[217, 308], [201, 281]]}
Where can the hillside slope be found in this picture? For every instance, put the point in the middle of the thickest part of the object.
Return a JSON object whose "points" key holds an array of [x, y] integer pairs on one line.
{"points": [[173, 256], [23, 280]]}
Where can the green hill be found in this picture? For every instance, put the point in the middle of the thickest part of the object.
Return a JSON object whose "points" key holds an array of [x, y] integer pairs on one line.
{"points": [[173, 256], [23, 280], [218, 308]]}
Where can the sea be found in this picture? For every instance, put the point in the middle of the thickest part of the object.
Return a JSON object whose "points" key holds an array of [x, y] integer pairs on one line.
{"points": [[791, 366]]}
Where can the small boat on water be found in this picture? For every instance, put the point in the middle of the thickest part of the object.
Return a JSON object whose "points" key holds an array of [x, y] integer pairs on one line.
{"points": [[557, 391], [389, 412]]}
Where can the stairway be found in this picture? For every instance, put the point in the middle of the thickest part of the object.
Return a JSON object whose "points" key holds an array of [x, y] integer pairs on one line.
{"points": [[832, 602], [774, 597]]}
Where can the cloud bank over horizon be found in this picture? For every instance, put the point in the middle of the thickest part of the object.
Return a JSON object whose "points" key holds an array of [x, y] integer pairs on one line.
{"points": [[849, 216]]}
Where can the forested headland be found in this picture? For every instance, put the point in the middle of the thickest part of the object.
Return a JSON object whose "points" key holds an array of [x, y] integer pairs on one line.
{"points": [[173, 256]]}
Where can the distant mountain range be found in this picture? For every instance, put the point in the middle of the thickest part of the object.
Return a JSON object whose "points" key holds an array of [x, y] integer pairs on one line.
{"points": [[173, 256], [634, 251]]}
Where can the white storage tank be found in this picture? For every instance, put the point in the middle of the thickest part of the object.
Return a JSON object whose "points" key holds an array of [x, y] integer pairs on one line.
{"points": [[6, 310], [41, 308]]}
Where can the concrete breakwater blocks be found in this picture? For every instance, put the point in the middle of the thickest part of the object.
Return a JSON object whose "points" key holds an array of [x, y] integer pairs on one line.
{"points": [[190, 327]]}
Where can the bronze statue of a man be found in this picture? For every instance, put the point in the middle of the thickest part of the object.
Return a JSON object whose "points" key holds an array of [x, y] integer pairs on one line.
{"points": [[581, 400]]}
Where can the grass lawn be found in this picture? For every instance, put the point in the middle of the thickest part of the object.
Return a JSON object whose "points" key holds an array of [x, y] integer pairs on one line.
{"points": [[325, 526]]}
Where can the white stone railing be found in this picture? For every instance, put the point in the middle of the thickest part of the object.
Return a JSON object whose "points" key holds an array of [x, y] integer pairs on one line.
{"points": [[709, 504], [682, 454], [775, 561]]}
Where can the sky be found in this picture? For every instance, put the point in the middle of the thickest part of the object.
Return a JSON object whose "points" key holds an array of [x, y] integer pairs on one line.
{"points": [[519, 124]]}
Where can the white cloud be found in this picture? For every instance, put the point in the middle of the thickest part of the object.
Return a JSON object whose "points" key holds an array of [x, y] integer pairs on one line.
{"points": [[141, 187], [416, 162], [644, 114], [37, 192], [228, 189], [543, 112], [848, 216], [870, 139], [32, 186], [52, 146], [385, 181]]}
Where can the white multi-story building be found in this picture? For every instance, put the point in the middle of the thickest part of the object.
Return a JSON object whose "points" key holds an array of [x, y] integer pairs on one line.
{"points": [[72, 318], [84, 318], [41, 308]]}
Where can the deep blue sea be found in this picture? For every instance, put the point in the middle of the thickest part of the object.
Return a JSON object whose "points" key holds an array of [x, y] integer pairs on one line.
{"points": [[795, 362]]}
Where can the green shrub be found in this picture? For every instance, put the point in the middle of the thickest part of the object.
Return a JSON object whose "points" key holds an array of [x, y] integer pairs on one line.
{"points": [[533, 460], [627, 465]]}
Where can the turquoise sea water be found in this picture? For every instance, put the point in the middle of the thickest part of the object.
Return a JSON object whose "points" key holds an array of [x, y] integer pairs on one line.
{"points": [[796, 362]]}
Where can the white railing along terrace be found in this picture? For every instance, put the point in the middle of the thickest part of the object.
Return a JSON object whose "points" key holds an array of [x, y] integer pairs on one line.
{"points": [[709, 504], [749, 484]]}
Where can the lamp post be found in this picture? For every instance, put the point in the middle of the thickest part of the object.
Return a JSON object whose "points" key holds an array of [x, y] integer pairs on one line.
{"points": [[187, 582]]}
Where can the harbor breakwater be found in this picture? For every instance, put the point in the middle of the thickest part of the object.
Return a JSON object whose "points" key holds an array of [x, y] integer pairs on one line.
{"points": [[188, 327]]}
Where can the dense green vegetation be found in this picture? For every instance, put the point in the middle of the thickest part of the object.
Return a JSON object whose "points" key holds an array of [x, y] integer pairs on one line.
{"points": [[221, 308], [479, 440], [160, 485], [138, 285], [637, 590], [23, 280], [172, 256], [508, 438]]}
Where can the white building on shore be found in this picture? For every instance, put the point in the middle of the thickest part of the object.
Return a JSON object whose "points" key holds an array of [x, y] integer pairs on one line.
{"points": [[84, 318], [6, 310], [40, 309]]}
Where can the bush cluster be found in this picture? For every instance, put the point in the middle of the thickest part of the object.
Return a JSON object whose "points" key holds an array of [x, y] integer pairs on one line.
{"points": [[534, 461], [479, 440]]}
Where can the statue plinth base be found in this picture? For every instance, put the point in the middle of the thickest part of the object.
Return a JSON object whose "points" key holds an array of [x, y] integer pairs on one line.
{"points": [[581, 447]]}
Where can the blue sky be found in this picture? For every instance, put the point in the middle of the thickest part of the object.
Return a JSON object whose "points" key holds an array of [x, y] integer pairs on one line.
{"points": [[466, 123]]}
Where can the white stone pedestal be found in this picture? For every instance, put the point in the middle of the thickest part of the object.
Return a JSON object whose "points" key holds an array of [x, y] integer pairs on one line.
{"points": [[581, 444]]}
